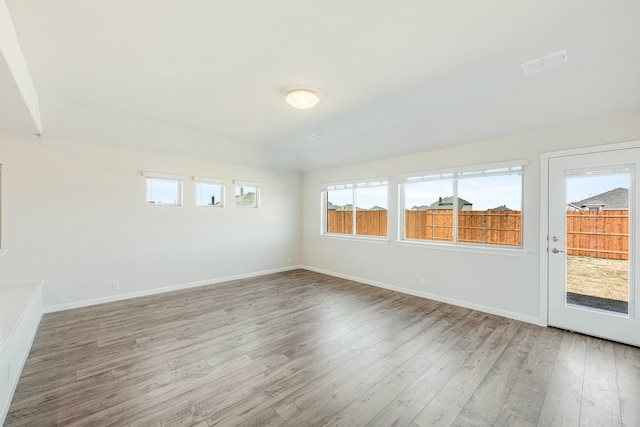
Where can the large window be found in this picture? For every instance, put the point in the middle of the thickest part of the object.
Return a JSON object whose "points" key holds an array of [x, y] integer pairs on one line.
{"points": [[472, 206], [356, 208], [163, 189]]}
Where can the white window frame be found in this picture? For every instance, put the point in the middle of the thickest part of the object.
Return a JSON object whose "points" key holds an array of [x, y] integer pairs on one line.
{"points": [[456, 174], [216, 181], [2, 250], [353, 185], [168, 177], [253, 184]]}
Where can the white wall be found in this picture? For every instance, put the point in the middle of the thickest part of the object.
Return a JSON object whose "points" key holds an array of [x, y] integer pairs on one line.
{"points": [[505, 285], [74, 215]]}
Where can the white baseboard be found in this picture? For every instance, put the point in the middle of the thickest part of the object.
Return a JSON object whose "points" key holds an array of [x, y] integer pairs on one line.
{"points": [[16, 351], [447, 300], [120, 297]]}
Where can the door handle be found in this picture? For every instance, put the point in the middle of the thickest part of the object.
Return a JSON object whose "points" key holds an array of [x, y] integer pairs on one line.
{"points": [[556, 251]]}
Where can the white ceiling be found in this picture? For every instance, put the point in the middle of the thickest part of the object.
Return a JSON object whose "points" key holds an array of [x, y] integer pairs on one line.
{"points": [[205, 78]]}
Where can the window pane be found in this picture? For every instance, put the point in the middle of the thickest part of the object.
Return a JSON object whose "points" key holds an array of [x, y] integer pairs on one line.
{"points": [[371, 211], [246, 197], [208, 194], [429, 210], [340, 211], [0, 205], [491, 210], [597, 239], [163, 191]]}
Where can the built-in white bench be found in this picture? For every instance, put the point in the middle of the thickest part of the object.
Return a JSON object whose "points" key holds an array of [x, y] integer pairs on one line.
{"points": [[20, 314]]}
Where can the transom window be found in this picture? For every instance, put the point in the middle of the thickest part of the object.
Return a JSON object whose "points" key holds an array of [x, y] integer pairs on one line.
{"points": [[209, 191], [472, 206], [247, 194], [356, 208], [163, 189]]}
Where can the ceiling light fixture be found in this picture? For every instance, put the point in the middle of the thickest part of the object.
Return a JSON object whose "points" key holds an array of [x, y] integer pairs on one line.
{"points": [[302, 98]]}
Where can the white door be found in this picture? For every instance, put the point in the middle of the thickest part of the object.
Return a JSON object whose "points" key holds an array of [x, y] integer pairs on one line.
{"points": [[592, 244]]}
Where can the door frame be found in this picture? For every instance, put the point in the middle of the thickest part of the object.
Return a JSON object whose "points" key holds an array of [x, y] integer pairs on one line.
{"points": [[544, 213]]}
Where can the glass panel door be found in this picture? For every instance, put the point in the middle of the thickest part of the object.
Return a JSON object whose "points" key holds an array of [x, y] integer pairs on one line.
{"points": [[591, 231], [597, 239]]}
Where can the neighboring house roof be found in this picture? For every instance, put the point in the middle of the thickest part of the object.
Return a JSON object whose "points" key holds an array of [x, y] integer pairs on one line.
{"points": [[347, 207], [446, 203], [420, 208], [500, 209], [610, 200], [247, 199]]}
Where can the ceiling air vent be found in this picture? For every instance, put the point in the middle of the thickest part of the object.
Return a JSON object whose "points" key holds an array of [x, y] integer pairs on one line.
{"points": [[545, 62], [314, 136]]}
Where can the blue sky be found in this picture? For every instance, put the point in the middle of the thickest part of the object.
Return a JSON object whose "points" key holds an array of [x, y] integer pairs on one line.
{"points": [[484, 193], [580, 187], [367, 197]]}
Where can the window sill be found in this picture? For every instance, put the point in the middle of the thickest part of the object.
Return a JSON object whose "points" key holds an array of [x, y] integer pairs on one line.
{"points": [[350, 237], [457, 247]]}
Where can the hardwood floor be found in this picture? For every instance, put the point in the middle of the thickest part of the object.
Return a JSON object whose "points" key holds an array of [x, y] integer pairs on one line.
{"points": [[300, 348]]}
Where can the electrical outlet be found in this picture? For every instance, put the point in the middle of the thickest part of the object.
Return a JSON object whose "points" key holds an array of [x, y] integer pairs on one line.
{"points": [[115, 286], [423, 284], [289, 260], [8, 372]]}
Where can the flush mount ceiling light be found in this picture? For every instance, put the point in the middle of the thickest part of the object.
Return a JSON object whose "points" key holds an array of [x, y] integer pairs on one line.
{"points": [[302, 98]]}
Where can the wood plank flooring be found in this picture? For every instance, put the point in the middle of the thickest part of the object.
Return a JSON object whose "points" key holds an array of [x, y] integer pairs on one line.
{"points": [[300, 348]]}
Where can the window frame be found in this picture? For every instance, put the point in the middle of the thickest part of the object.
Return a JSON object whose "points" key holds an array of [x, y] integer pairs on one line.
{"points": [[215, 181], [253, 184], [167, 177], [456, 174], [353, 185], [2, 249]]}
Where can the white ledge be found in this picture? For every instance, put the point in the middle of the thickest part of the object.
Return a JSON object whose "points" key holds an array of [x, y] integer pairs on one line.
{"points": [[477, 249], [15, 299], [352, 238]]}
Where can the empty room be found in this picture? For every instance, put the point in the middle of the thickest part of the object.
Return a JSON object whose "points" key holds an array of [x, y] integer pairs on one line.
{"points": [[296, 213]]}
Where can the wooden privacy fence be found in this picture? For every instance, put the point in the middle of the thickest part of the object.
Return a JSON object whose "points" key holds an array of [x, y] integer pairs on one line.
{"points": [[368, 223], [600, 234], [499, 227], [491, 227]]}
